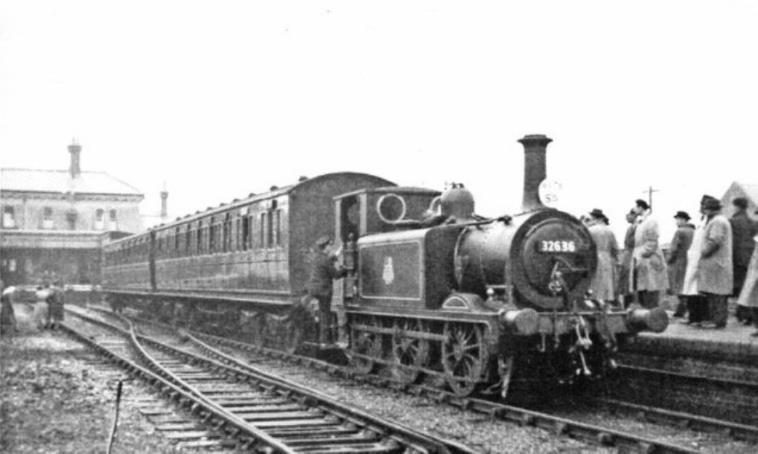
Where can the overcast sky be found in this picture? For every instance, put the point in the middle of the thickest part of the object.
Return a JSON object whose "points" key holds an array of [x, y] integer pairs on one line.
{"points": [[223, 98]]}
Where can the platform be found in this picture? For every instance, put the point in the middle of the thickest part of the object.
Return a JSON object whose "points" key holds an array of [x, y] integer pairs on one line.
{"points": [[732, 343]]}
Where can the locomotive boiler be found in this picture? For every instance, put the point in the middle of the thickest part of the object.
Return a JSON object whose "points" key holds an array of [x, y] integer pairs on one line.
{"points": [[472, 301]]}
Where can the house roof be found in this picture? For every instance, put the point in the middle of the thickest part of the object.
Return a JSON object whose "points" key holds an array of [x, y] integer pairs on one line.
{"points": [[750, 190], [40, 180]]}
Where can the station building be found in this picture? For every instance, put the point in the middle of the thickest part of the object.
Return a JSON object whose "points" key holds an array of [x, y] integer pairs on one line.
{"points": [[54, 222]]}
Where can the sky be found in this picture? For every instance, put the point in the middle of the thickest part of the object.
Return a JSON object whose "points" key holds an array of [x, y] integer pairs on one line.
{"points": [[222, 98]]}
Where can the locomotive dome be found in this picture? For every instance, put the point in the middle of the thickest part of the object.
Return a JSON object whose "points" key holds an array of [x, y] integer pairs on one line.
{"points": [[457, 201]]}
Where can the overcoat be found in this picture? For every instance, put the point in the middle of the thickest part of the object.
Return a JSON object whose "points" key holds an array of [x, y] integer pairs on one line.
{"points": [[749, 293], [625, 264], [677, 261], [689, 286], [649, 263], [714, 271], [603, 282], [743, 230], [55, 304]]}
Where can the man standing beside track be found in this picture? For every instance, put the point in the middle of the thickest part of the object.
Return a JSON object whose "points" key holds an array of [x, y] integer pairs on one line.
{"points": [[320, 285], [743, 230], [677, 261], [650, 275], [55, 305]]}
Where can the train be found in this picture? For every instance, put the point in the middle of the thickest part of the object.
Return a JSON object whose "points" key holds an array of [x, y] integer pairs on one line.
{"points": [[433, 291]]}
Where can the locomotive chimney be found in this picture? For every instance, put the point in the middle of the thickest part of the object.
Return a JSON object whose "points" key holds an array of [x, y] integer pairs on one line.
{"points": [[535, 146], [75, 149]]}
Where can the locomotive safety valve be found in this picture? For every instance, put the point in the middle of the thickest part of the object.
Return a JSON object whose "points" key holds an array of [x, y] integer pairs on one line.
{"points": [[655, 320], [524, 322]]}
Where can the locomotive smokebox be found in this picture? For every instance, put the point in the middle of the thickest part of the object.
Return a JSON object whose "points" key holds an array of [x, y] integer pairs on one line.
{"points": [[535, 170]]}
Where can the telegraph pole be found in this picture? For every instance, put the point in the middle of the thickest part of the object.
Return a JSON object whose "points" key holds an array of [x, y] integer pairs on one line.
{"points": [[650, 192]]}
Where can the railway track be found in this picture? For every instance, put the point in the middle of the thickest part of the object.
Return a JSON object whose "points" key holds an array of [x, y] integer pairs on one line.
{"points": [[262, 413], [554, 424], [709, 396]]}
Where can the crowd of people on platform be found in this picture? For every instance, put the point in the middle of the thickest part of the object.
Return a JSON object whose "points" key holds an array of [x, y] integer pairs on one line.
{"points": [[706, 264], [47, 311]]}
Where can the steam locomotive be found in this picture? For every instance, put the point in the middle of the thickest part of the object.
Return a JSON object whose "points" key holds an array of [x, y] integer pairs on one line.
{"points": [[432, 289]]}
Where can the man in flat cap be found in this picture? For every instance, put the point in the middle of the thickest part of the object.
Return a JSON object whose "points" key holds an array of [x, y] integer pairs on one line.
{"points": [[677, 260], [714, 271], [319, 286], [649, 264]]}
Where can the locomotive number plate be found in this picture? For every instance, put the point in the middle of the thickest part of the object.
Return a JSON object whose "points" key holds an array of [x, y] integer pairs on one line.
{"points": [[556, 246]]}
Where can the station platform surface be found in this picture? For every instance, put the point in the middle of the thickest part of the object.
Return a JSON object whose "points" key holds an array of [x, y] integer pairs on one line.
{"points": [[732, 343]]}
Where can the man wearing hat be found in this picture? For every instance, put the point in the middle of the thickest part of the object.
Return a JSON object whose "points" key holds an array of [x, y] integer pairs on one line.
{"points": [[602, 284], [625, 268], [319, 286], [677, 260], [714, 270], [650, 276], [743, 231]]}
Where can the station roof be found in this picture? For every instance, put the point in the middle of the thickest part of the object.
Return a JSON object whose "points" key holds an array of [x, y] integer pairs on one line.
{"points": [[41, 180]]}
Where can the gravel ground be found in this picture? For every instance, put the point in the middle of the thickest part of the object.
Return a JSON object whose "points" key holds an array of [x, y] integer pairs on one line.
{"points": [[55, 401]]}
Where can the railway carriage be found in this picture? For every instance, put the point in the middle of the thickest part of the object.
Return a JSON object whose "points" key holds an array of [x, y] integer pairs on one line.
{"points": [[240, 267], [432, 289]]}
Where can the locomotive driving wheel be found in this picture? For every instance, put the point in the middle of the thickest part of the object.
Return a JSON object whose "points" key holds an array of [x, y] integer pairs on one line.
{"points": [[409, 354], [464, 357], [365, 348]]}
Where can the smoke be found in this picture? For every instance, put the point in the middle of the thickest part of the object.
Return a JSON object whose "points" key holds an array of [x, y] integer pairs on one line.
{"points": [[30, 317]]}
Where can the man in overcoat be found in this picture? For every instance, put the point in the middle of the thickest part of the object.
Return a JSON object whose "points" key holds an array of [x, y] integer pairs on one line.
{"points": [[319, 286], [743, 231], [625, 265], [649, 264], [603, 281], [714, 272], [749, 294], [677, 260]]}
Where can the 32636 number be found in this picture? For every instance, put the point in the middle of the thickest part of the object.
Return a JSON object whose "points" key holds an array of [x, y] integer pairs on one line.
{"points": [[557, 246]]}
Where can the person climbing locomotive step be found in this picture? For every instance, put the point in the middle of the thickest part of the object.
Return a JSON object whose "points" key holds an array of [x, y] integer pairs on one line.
{"points": [[323, 272]]}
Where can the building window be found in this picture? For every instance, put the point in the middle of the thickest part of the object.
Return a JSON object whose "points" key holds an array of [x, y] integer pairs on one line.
{"points": [[71, 219], [245, 232], [99, 219], [47, 218], [227, 233], [9, 217], [113, 218]]}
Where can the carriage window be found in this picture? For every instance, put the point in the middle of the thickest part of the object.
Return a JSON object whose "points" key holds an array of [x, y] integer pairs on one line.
{"points": [[263, 230], [199, 234], [211, 236], [245, 232], [227, 233], [188, 240], [278, 232]]}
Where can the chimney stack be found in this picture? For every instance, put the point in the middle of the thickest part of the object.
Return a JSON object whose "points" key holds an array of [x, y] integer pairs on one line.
{"points": [[535, 147], [75, 149], [164, 202]]}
